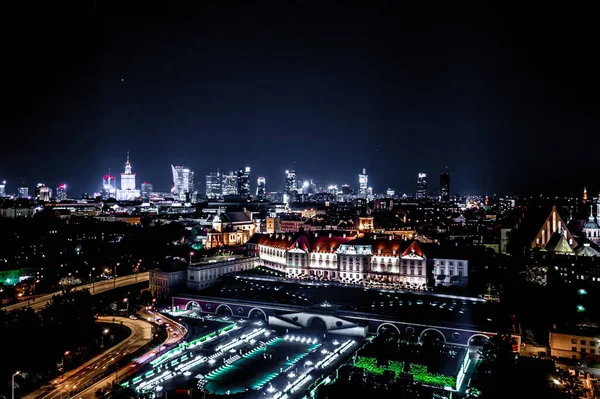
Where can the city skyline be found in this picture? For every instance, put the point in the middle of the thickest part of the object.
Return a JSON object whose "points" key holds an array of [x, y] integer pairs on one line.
{"points": [[468, 94]]}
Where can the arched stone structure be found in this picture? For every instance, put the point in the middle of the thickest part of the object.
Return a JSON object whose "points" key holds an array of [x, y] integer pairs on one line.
{"points": [[388, 324], [257, 310], [432, 329], [311, 320], [486, 338], [224, 306], [193, 304]]}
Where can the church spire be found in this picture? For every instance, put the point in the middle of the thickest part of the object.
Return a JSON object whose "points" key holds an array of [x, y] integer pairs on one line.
{"points": [[584, 195]]}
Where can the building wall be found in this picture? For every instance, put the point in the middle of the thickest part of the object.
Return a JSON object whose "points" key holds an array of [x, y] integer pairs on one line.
{"points": [[165, 284], [574, 346], [205, 275], [450, 272]]}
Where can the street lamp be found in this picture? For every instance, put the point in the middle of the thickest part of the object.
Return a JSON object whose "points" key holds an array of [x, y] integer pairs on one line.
{"points": [[13, 383], [63, 363], [106, 330], [126, 300], [92, 280], [191, 254], [115, 277]]}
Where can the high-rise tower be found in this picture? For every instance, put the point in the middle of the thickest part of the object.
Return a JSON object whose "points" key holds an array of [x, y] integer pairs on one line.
{"points": [[445, 187], [261, 188], [183, 184], [61, 192], [243, 181], [128, 191], [363, 183], [229, 183], [291, 186], [109, 187], [213, 185], [422, 186]]}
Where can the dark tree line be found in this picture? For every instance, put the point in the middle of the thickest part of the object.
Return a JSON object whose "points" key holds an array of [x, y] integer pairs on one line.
{"points": [[35, 343]]}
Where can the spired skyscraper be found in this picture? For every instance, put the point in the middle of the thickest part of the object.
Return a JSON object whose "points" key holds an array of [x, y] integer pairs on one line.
{"points": [[444, 187], [183, 184], [109, 187], [261, 188], [128, 191], [422, 186], [363, 184]]}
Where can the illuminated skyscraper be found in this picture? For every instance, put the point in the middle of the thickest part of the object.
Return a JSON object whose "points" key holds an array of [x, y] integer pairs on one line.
{"points": [[243, 181], [146, 191], [128, 191], [61, 192], [261, 188], [109, 187], [291, 186], [213, 185], [23, 191], [422, 186], [3, 188], [363, 183], [42, 193], [229, 183], [445, 187], [183, 184]]}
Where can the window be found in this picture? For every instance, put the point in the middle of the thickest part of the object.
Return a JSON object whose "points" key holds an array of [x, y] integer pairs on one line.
{"points": [[583, 342], [582, 350], [592, 343], [573, 349], [593, 351]]}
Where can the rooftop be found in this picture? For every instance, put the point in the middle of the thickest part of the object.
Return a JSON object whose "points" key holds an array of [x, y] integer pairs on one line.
{"points": [[444, 310]]}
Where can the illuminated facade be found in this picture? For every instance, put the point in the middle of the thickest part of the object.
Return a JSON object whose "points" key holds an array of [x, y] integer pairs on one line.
{"points": [[146, 190], [230, 228], [243, 181], [343, 258], [3, 188], [213, 185], [422, 186], [291, 186], [183, 184], [23, 192], [591, 229], [61, 192], [554, 231], [229, 184], [128, 191], [363, 183], [261, 188], [109, 187]]}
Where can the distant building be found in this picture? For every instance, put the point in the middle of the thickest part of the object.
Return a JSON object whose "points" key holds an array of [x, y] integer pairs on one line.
{"points": [[230, 228], [128, 192], [229, 184], [576, 342], [390, 192], [213, 185], [363, 183], [205, 274], [445, 187], [591, 228], [61, 192], [243, 182], [261, 188], [183, 184], [146, 191], [109, 187], [291, 186], [3, 188], [42, 192], [273, 225], [23, 192], [422, 186], [168, 279]]}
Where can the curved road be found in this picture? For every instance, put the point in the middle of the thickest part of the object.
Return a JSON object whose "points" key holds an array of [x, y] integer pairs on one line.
{"points": [[141, 334], [40, 302], [90, 393]]}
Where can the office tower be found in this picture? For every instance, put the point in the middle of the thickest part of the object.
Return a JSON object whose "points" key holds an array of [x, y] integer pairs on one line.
{"points": [[422, 186], [146, 191], [109, 186], [61, 192], [291, 186], [3, 188], [390, 192], [363, 181], [229, 183], [43, 193], [346, 189], [23, 191], [261, 188], [243, 181], [213, 185], [183, 184], [128, 191], [445, 187]]}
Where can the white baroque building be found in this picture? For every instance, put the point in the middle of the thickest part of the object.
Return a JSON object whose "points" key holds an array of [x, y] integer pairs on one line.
{"points": [[336, 256]]}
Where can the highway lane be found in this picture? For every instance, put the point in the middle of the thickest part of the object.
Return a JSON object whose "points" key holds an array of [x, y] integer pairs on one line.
{"points": [[141, 334], [40, 302], [174, 337]]}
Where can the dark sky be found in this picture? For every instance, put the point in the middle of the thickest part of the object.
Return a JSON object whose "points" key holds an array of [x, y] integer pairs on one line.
{"points": [[505, 96]]}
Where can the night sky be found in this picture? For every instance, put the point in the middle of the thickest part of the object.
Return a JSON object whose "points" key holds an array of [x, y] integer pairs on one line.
{"points": [[505, 96]]}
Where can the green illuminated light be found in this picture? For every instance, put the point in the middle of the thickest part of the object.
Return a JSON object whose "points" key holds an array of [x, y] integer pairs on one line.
{"points": [[580, 308]]}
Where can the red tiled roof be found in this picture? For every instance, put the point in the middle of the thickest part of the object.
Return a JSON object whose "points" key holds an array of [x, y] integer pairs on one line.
{"points": [[329, 244], [414, 246], [280, 241], [387, 247]]}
